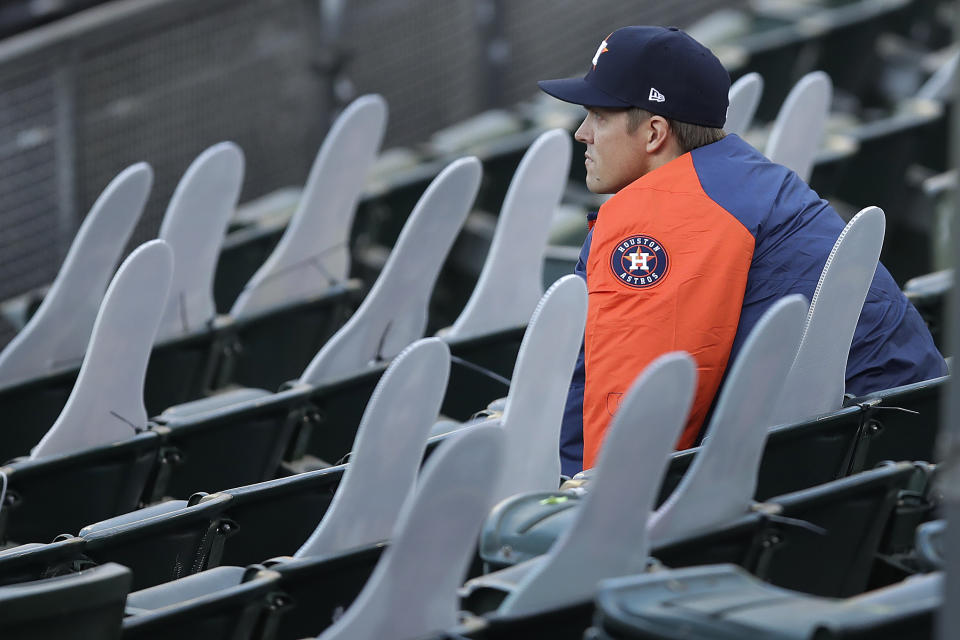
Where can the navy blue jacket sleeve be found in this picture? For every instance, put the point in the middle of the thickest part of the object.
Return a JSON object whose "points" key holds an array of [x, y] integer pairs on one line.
{"points": [[571, 429]]}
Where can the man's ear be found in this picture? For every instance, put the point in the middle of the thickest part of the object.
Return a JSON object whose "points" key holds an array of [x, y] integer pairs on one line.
{"points": [[657, 132]]}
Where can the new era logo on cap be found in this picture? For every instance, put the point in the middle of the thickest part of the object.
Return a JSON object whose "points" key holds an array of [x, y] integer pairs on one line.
{"points": [[656, 96]]}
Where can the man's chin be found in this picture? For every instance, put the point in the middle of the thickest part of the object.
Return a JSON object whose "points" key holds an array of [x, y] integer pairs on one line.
{"points": [[598, 189]]}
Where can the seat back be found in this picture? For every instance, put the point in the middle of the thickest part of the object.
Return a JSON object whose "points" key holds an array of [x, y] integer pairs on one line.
{"points": [[313, 253], [32, 406], [227, 446], [269, 348], [394, 313], [106, 404], [413, 589], [164, 546], [193, 226], [807, 453], [661, 397], [851, 513], [744, 98], [511, 283], [61, 493], [321, 589], [387, 452], [298, 501], [35, 561], [88, 604], [538, 390], [720, 485], [798, 129], [901, 424], [48, 343], [815, 383]]}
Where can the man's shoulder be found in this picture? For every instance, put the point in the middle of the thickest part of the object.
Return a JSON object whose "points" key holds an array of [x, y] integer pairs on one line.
{"points": [[756, 191]]}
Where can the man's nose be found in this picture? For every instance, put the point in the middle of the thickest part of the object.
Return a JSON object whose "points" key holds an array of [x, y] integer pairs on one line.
{"points": [[584, 134]]}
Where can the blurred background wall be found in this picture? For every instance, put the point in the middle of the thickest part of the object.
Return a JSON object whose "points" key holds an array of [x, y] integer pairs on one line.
{"points": [[101, 85]]}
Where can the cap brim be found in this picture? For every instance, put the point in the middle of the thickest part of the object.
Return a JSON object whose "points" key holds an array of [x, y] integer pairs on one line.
{"points": [[579, 91]]}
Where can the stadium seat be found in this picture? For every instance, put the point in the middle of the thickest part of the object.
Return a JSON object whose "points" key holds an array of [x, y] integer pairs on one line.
{"points": [[163, 542], [394, 313], [744, 97], [228, 440], [720, 484], [353, 360], [853, 512], [798, 129], [533, 410], [266, 349], [299, 502], [796, 456], [299, 268], [781, 543], [412, 590], [387, 452], [301, 295], [60, 493], [88, 604], [820, 541], [900, 424], [193, 226], [815, 383], [47, 344], [244, 596], [35, 560], [723, 601], [189, 339], [174, 539], [510, 284], [777, 543], [106, 403], [631, 461], [435, 522]]}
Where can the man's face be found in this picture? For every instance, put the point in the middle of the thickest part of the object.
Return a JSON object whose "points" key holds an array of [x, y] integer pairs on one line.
{"points": [[614, 157]]}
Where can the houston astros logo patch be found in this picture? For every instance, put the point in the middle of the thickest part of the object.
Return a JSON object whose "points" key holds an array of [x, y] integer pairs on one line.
{"points": [[639, 262]]}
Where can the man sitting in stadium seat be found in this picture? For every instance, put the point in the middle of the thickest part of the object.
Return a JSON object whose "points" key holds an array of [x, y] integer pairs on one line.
{"points": [[702, 235]]}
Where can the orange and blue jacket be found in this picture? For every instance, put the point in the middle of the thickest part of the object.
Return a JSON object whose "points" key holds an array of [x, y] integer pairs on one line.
{"points": [[688, 257]]}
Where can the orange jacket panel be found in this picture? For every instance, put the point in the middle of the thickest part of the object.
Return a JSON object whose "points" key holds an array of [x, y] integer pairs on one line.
{"points": [[667, 270]]}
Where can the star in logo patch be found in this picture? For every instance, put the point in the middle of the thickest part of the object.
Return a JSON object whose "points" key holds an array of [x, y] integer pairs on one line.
{"points": [[639, 262]]}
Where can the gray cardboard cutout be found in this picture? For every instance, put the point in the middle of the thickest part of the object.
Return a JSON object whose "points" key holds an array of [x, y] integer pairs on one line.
{"points": [[608, 537], [511, 282], [815, 383], [720, 485], [538, 390], [394, 313], [798, 129], [387, 451], [313, 253], [744, 98], [194, 226], [106, 404], [57, 334], [413, 589]]}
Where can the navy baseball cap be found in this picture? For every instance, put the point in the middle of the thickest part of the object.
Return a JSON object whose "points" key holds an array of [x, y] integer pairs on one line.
{"points": [[660, 69]]}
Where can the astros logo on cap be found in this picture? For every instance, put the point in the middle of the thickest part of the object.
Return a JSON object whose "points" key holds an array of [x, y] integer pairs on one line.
{"points": [[601, 49], [639, 262]]}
